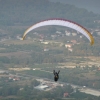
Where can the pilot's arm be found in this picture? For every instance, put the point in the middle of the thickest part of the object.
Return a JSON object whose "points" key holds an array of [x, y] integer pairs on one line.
{"points": [[58, 71]]}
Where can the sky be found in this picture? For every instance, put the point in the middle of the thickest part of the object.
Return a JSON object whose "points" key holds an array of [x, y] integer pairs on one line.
{"points": [[90, 5]]}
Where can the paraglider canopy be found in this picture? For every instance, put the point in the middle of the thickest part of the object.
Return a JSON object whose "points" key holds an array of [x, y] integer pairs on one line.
{"points": [[62, 22]]}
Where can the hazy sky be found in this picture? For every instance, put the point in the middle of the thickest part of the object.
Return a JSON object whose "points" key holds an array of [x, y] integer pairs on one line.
{"points": [[90, 5]]}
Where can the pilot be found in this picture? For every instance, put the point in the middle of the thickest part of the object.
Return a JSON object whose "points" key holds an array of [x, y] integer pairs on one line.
{"points": [[56, 75]]}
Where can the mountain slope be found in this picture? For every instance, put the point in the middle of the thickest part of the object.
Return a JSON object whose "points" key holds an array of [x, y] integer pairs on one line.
{"points": [[26, 12], [90, 5]]}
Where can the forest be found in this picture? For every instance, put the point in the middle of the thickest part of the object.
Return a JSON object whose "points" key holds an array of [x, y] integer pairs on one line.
{"points": [[27, 92], [25, 13]]}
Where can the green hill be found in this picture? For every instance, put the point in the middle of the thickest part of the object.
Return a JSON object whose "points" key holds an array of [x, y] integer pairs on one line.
{"points": [[27, 12]]}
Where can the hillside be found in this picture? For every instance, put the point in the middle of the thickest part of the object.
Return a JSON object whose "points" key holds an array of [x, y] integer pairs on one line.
{"points": [[27, 12], [90, 5]]}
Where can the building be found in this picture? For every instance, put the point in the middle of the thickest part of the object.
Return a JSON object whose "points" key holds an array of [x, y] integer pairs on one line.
{"points": [[70, 49], [41, 87], [74, 34], [73, 41], [67, 33], [66, 95], [68, 45], [45, 42]]}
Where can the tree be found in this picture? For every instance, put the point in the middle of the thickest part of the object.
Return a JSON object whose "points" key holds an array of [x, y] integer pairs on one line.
{"points": [[35, 83]]}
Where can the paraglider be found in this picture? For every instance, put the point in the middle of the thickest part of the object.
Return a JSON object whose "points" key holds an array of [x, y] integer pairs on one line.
{"points": [[65, 23], [62, 22]]}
